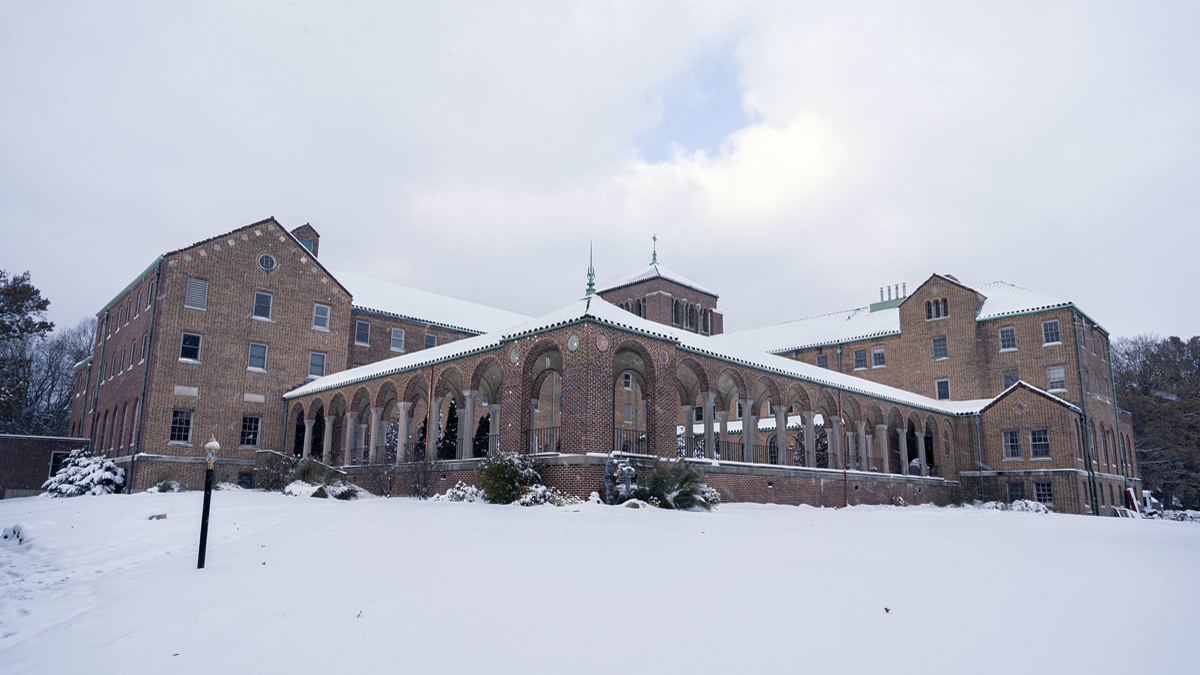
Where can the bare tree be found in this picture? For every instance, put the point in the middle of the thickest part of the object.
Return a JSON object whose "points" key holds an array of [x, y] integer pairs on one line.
{"points": [[45, 368]]}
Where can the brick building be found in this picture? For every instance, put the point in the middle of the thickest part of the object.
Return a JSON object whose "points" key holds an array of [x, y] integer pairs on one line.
{"points": [[949, 393]]}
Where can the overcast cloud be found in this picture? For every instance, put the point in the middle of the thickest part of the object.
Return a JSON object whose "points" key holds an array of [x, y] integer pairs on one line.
{"points": [[792, 156]]}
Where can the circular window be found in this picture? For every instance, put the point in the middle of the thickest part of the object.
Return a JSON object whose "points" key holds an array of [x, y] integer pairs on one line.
{"points": [[267, 262]]}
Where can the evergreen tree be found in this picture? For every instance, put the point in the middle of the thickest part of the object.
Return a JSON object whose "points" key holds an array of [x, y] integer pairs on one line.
{"points": [[22, 325], [479, 445], [418, 451], [447, 443]]}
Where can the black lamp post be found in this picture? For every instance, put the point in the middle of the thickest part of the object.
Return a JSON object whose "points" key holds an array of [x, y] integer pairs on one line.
{"points": [[210, 456]]}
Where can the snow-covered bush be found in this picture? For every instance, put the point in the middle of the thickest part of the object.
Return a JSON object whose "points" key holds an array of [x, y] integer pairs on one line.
{"points": [[674, 485], [338, 490], [82, 474], [505, 475], [710, 495], [535, 495], [16, 535], [1021, 505], [164, 485], [461, 492]]}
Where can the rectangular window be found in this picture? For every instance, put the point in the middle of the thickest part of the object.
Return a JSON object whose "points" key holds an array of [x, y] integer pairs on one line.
{"points": [[943, 389], [1012, 444], [860, 359], [1056, 378], [1050, 334], [189, 347], [321, 317], [258, 357], [250, 430], [878, 359], [150, 296], [262, 305], [628, 381], [628, 413], [362, 333], [1008, 338], [145, 344], [822, 360], [1011, 378], [430, 341], [1039, 443], [1016, 491], [939, 348], [122, 366], [128, 310], [132, 353], [197, 294], [56, 461], [137, 310], [181, 426], [316, 365], [1044, 492], [699, 413], [740, 412]]}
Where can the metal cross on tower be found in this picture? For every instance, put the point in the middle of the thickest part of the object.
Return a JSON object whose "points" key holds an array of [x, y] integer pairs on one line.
{"points": [[654, 258]]}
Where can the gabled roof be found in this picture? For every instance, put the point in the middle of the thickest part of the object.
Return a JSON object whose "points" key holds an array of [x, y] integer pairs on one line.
{"points": [[1000, 299], [424, 307], [595, 308], [846, 326], [655, 271], [1021, 384]]}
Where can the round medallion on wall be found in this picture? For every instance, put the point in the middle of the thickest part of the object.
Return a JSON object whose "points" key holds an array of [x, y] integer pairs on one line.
{"points": [[267, 262], [663, 357], [514, 355], [602, 343], [573, 342]]}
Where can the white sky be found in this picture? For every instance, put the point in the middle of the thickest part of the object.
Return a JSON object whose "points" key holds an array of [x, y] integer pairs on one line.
{"points": [[794, 157]]}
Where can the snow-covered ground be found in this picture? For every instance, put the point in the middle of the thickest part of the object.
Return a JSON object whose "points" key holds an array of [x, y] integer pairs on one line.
{"points": [[297, 585]]}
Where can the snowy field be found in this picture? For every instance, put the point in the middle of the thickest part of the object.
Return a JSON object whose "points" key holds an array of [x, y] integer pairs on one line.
{"points": [[297, 585]]}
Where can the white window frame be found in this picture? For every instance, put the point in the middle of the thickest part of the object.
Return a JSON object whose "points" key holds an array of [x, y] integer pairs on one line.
{"points": [[1013, 331], [628, 381], [945, 348], [196, 284], [328, 312], [863, 353], [393, 342], [1032, 448], [191, 426], [324, 364], [1049, 386], [250, 355], [1057, 329], [270, 306], [878, 357], [1005, 436], [628, 413], [199, 348], [937, 386], [357, 324], [257, 432]]}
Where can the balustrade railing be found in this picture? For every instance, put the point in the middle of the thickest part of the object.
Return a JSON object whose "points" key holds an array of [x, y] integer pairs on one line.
{"points": [[630, 441], [546, 439]]}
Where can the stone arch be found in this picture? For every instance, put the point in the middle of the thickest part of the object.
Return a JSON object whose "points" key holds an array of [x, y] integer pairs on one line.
{"points": [[488, 377], [765, 389], [386, 395], [730, 386], [417, 389], [797, 395], [692, 375], [450, 383], [296, 419], [316, 412], [631, 356]]}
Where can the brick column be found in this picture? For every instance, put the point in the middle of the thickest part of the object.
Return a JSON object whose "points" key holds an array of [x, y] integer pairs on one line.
{"points": [[709, 402], [374, 445], [351, 422], [885, 453], [810, 439], [532, 442], [327, 440], [466, 432], [308, 427], [781, 434]]}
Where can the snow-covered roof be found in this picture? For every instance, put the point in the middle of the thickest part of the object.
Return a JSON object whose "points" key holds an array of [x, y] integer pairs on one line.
{"points": [[1005, 299], [656, 271], [852, 324], [411, 303], [1000, 299], [596, 308]]}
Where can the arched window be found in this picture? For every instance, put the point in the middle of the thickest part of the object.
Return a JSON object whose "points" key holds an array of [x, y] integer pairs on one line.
{"points": [[928, 310], [945, 308]]}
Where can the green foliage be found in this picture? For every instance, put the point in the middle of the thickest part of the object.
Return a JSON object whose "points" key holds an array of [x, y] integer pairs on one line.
{"points": [[479, 444], [505, 475], [447, 444], [675, 485], [83, 474]]}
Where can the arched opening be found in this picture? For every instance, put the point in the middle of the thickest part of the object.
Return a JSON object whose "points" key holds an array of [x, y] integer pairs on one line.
{"points": [[630, 389], [545, 405]]}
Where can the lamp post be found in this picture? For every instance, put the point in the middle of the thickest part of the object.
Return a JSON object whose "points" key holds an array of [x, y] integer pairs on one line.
{"points": [[210, 455]]}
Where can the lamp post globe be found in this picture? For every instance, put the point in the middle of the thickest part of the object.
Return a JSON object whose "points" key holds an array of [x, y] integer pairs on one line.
{"points": [[211, 448]]}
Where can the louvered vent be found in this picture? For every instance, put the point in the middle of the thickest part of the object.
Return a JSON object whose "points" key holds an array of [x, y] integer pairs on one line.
{"points": [[197, 294]]}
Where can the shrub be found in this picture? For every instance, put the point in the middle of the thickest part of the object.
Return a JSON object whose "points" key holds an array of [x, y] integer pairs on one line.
{"points": [[82, 474], [535, 495], [461, 492], [505, 475], [164, 485], [675, 485]]}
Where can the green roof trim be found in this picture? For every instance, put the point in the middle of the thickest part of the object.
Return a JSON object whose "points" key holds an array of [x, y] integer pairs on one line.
{"points": [[125, 290]]}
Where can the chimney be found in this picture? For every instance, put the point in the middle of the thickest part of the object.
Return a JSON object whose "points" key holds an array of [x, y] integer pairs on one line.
{"points": [[881, 293], [905, 289]]}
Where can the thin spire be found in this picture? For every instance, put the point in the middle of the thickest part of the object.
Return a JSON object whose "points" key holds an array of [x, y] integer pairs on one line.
{"points": [[654, 258], [591, 287]]}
